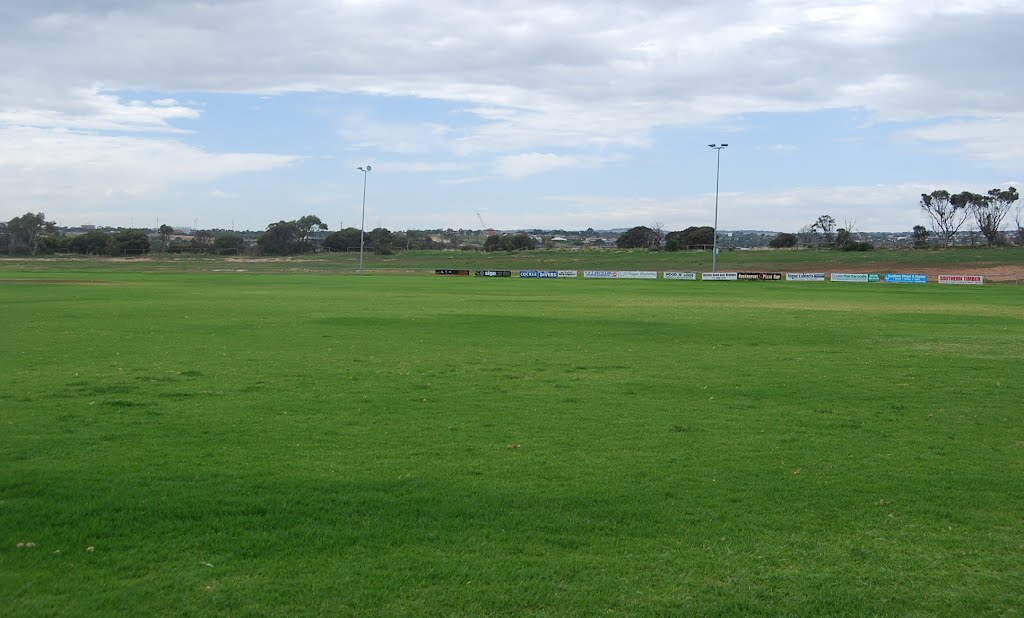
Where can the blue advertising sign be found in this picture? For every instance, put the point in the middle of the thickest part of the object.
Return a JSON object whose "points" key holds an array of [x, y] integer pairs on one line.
{"points": [[905, 278]]}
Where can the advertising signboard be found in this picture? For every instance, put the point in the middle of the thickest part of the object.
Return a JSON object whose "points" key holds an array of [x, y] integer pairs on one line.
{"points": [[718, 276], [855, 277], [620, 274], [451, 271], [637, 274], [905, 278], [493, 273], [759, 276], [538, 274], [962, 279], [567, 274], [805, 276], [678, 276]]}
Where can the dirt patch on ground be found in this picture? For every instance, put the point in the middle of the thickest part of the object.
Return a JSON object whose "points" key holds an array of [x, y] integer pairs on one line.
{"points": [[991, 273], [284, 259], [998, 273]]}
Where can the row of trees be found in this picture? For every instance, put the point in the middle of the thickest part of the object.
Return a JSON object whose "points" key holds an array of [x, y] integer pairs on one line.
{"points": [[948, 212], [643, 237], [31, 233], [299, 236], [823, 232], [287, 237]]}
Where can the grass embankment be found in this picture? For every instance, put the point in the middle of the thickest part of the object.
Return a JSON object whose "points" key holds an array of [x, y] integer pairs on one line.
{"points": [[250, 444], [961, 260]]}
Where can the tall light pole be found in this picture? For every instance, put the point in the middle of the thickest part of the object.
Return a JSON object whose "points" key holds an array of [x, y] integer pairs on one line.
{"points": [[362, 221], [718, 169]]}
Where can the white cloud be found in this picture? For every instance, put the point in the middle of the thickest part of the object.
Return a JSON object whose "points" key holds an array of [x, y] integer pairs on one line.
{"points": [[529, 163], [585, 211], [777, 148], [591, 82], [542, 74], [461, 181], [422, 167], [363, 132], [999, 140], [57, 170], [87, 108], [517, 166]]}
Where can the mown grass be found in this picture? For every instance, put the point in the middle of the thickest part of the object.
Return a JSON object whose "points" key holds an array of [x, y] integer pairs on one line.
{"points": [[251, 444]]}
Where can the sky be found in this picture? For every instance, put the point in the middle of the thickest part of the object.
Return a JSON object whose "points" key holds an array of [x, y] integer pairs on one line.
{"points": [[506, 114]]}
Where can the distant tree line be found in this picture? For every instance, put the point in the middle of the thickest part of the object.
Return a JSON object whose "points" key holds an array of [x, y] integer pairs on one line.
{"points": [[33, 234], [948, 214], [822, 233], [825, 233]]}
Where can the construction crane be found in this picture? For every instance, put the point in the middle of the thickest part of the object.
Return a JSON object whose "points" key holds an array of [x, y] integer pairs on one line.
{"points": [[483, 226]]}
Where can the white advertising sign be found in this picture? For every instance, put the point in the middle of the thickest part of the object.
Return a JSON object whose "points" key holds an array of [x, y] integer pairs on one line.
{"points": [[805, 276], [855, 277], [719, 276], [620, 274], [567, 274], [962, 279], [637, 274], [680, 276]]}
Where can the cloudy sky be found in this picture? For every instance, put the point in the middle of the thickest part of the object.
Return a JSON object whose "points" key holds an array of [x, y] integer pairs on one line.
{"points": [[239, 113]]}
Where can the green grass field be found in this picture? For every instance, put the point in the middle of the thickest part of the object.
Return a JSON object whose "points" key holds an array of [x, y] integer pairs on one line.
{"points": [[294, 444]]}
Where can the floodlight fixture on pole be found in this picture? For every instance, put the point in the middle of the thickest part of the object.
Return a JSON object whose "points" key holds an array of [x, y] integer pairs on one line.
{"points": [[718, 169], [362, 220]]}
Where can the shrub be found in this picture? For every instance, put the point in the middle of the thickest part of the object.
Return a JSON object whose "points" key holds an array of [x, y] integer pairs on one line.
{"points": [[509, 242], [690, 237], [783, 240]]}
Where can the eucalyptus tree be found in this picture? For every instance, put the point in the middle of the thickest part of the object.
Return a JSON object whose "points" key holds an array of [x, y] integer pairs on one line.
{"points": [[28, 230], [990, 210], [946, 213], [165, 233]]}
